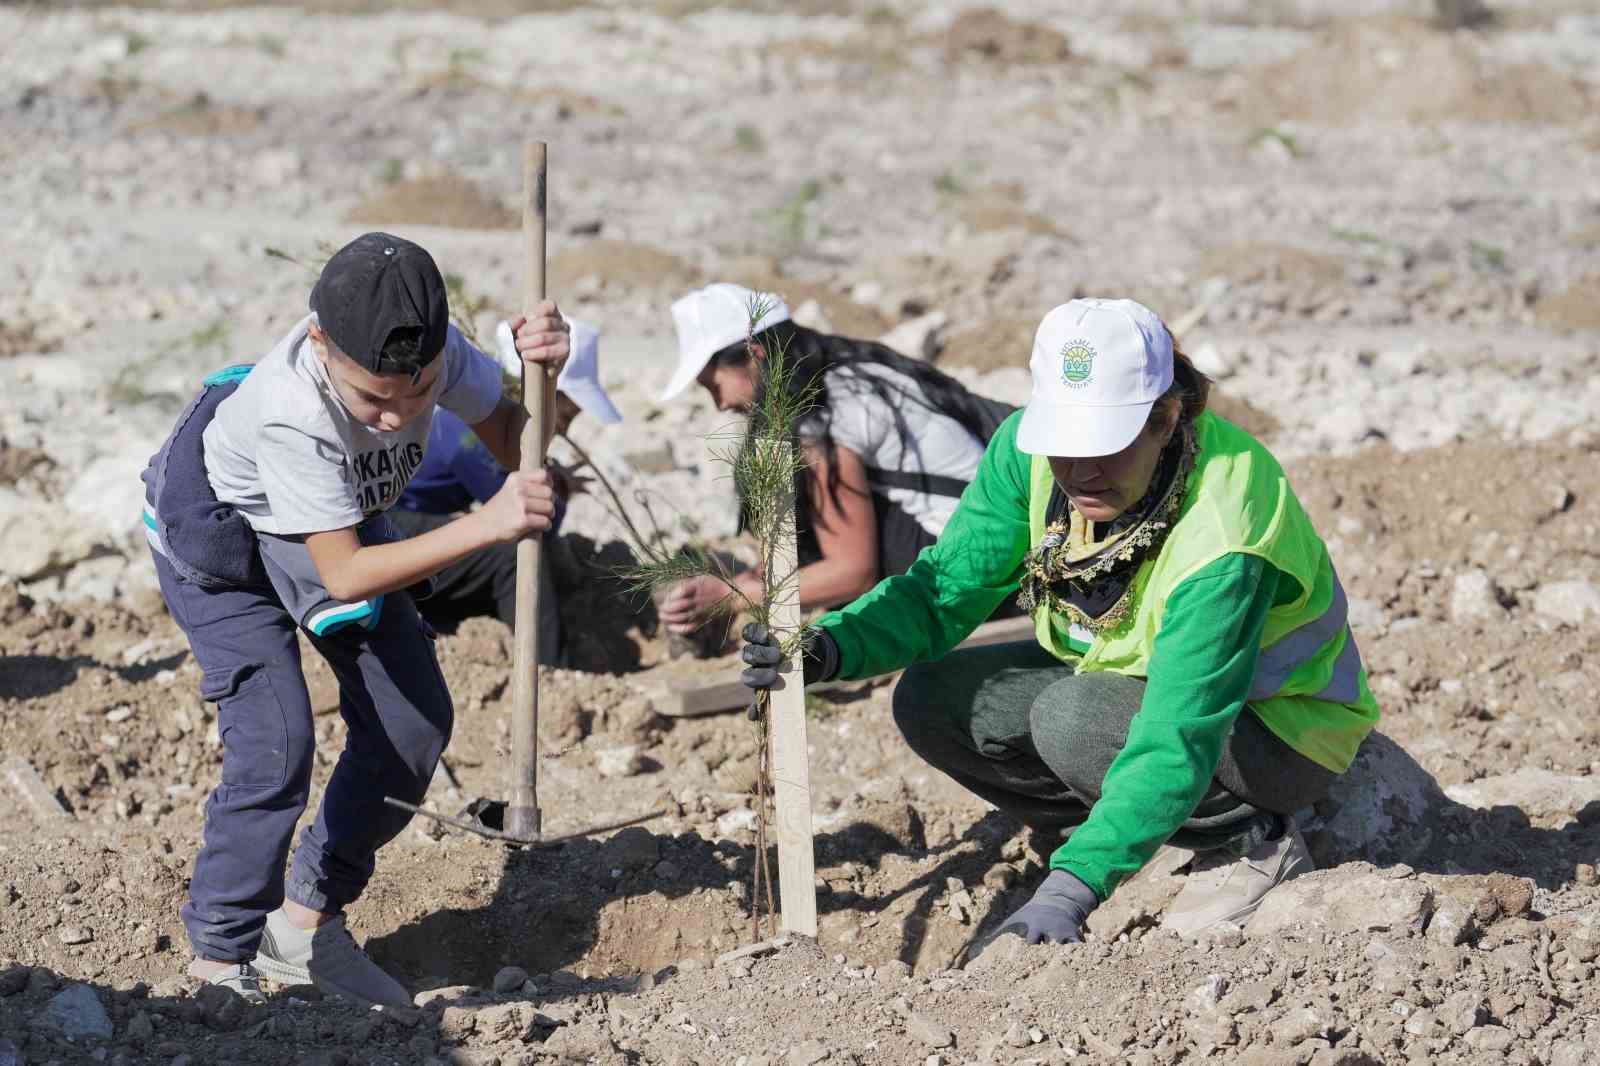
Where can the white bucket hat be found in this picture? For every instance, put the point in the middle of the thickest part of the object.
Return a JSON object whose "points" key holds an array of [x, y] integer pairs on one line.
{"points": [[579, 378], [710, 319], [1098, 368]]}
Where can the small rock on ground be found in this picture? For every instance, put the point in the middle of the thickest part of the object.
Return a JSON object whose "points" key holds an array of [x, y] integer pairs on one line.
{"points": [[510, 978], [76, 1012], [921, 1027]]}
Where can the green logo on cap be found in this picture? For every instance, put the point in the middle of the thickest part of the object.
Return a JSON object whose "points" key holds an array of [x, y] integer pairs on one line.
{"points": [[1077, 363]]}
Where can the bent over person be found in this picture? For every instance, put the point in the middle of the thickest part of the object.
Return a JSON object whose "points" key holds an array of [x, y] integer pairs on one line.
{"points": [[264, 510], [1194, 677], [889, 442]]}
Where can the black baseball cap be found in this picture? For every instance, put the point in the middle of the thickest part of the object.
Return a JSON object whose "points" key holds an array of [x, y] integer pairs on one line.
{"points": [[376, 284]]}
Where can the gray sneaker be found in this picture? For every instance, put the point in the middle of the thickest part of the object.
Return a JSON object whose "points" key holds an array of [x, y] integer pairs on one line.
{"points": [[240, 978], [327, 957], [1230, 890]]}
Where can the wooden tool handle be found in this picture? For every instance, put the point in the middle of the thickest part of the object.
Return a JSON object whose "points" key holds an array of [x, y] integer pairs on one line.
{"points": [[522, 812]]}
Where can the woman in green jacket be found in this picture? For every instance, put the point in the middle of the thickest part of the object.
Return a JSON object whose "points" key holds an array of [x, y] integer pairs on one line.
{"points": [[1194, 679]]}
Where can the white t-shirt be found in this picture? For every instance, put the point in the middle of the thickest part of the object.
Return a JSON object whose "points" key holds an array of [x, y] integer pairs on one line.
{"points": [[927, 443], [286, 453]]}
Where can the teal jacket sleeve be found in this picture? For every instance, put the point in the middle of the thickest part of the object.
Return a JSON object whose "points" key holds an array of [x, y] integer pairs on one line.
{"points": [[1199, 677], [955, 583]]}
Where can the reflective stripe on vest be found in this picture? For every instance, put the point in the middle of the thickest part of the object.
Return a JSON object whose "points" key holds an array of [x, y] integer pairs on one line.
{"points": [[1300, 646]]}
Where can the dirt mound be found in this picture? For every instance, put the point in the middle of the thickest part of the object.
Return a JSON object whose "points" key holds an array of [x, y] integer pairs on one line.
{"points": [[1000, 208], [1405, 70], [201, 116], [1576, 308], [444, 200], [992, 36], [622, 263], [1001, 342]]}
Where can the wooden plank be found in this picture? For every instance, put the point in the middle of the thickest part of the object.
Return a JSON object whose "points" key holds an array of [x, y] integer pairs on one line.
{"points": [[21, 776], [791, 762], [522, 810], [693, 697]]}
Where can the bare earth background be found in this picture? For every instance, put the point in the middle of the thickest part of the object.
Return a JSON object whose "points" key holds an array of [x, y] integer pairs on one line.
{"points": [[1381, 236]]}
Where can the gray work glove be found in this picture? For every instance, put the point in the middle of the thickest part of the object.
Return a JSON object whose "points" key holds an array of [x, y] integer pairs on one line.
{"points": [[1055, 914], [819, 656]]}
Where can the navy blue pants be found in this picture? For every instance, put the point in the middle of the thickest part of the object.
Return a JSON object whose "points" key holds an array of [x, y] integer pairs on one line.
{"points": [[398, 712]]}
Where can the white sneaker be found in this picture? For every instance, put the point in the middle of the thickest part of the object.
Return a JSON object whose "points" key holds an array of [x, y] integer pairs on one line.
{"points": [[1230, 890], [239, 978], [327, 957]]}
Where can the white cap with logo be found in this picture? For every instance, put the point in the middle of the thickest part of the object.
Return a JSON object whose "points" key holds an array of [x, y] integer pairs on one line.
{"points": [[579, 378], [1098, 368], [710, 319]]}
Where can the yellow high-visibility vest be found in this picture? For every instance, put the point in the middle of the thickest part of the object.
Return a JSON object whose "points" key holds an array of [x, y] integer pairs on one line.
{"points": [[1309, 688]]}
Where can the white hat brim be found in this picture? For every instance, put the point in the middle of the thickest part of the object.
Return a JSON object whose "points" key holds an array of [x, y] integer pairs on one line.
{"points": [[1080, 431], [683, 375]]}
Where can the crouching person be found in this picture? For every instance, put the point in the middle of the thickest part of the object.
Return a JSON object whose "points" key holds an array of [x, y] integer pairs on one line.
{"points": [[264, 512], [1194, 678]]}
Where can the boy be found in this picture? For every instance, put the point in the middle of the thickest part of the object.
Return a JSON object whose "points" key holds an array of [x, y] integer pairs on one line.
{"points": [[457, 470], [264, 509]]}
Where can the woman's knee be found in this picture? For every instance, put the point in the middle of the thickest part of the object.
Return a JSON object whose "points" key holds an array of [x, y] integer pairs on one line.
{"points": [[1080, 725]]}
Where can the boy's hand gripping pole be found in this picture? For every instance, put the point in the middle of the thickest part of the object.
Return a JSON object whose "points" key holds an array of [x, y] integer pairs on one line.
{"points": [[522, 813]]}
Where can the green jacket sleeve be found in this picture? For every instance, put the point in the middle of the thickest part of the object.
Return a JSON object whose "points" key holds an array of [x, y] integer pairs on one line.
{"points": [[1199, 677], [954, 584]]}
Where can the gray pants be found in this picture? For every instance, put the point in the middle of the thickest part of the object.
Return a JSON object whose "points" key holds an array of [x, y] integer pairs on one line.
{"points": [[1016, 726], [398, 711]]}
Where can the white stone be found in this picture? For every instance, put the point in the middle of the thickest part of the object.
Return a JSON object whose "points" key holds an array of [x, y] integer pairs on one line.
{"points": [[624, 761], [1210, 361], [1473, 597], [1572, 602], [920, 337], [1344, 901], [1537, 792], [1381, 809], [40, 538], [741, 820], [811, 315]]}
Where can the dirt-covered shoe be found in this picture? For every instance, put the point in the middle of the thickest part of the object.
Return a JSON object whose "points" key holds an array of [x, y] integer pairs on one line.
{"points": [[1230, 890], [239, 978], [327, 957]]}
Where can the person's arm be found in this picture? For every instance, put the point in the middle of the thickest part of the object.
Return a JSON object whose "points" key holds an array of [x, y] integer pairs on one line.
{"points": [[351, 571], [1199, 678], [953, 585], [477, 470]]}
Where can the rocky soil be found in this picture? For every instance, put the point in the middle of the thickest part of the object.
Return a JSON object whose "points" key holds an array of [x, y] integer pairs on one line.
{"points": [[1381, 237]]}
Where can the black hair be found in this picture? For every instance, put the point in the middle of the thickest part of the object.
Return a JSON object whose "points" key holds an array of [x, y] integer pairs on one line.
{"points": [[810, 355], [1190, 387], [402, 352]]}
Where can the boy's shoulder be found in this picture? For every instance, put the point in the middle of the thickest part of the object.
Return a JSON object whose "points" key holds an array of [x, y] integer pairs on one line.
{"points": [[282, 388]]}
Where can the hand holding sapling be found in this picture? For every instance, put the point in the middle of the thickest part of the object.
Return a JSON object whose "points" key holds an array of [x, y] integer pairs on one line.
{"points": [[819, 656]]}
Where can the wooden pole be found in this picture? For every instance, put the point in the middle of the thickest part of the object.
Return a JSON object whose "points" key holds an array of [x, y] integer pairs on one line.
{"points": [[791, 766], [522, 812]]}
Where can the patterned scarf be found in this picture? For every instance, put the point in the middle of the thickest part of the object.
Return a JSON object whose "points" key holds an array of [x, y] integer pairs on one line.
{"points": [[1091, 580]]}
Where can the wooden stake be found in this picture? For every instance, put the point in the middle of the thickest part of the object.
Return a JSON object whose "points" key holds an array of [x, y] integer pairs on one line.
{"points": [[791, 766], [522, 812]]}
